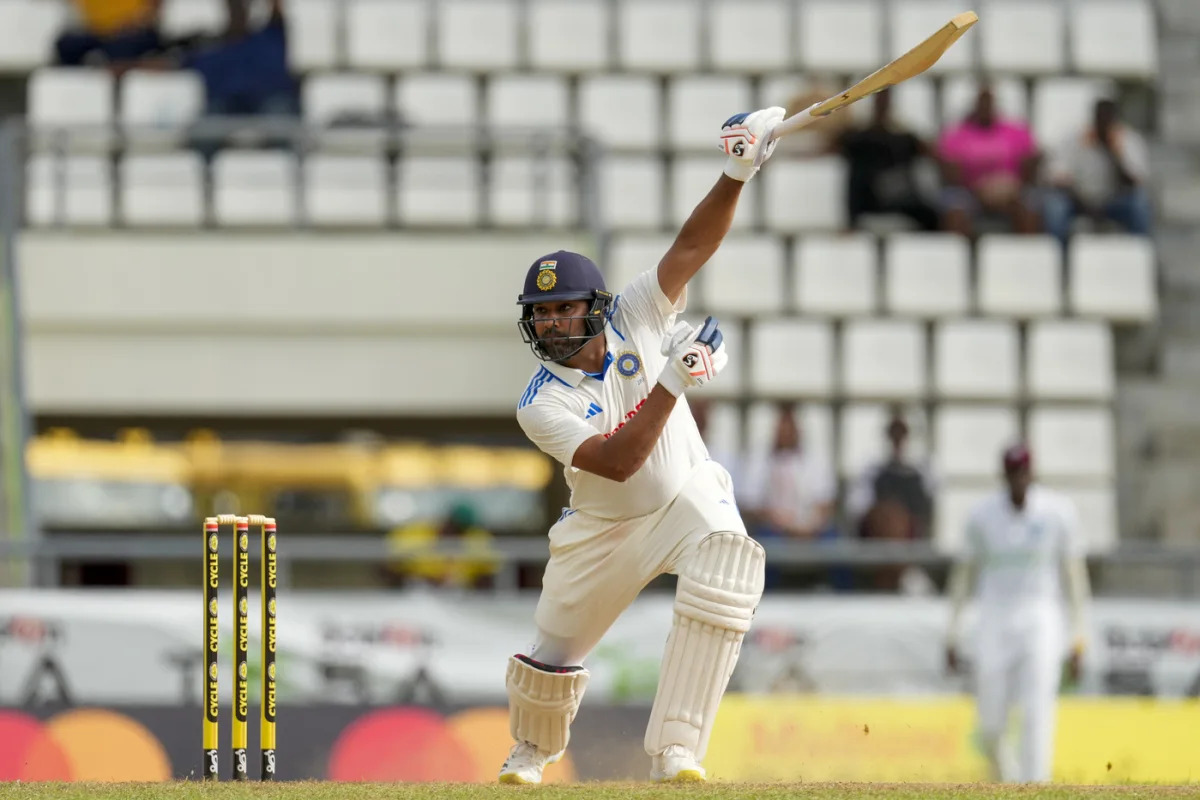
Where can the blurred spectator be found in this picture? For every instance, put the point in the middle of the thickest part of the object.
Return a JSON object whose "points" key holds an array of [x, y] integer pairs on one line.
{"points": [[893, 500], [988, 165], [110, 31], [882, 159], [417, 542], [1101, 173]]}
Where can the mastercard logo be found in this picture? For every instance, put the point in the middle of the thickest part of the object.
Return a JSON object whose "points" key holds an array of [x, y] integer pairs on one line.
{"points": [[415, 744], [79, 745]]}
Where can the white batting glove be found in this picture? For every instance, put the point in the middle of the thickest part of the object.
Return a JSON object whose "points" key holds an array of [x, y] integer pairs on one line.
{"points": [[694, 357], [741, 137]]}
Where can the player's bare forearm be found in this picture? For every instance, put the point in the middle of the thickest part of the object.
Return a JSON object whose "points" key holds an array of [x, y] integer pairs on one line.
{"points": [[623, 452], [699, 237]]}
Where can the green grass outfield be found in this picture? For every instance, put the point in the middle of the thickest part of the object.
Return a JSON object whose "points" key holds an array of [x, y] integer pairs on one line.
{"points": [[580, 791]]}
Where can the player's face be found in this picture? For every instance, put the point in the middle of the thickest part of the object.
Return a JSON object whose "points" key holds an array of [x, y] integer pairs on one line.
{"points": [[1018, 480], [560, 326]]}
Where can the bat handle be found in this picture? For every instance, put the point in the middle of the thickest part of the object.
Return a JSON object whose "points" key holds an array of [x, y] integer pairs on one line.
{"points": [[792, 124]]}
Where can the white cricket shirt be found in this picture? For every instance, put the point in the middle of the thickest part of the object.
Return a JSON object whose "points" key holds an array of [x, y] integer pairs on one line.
{"points": [[563, 407], [1019, 553]]}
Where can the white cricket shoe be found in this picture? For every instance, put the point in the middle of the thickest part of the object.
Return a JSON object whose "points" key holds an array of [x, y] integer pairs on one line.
{"points": [[676, 764], [525, 764]]}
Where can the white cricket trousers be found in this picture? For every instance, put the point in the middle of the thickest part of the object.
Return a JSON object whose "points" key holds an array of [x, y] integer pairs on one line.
{"points": [[1020, 661], [597, 567]]}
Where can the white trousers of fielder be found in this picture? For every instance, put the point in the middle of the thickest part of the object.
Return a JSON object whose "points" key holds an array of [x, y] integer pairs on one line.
{"points": [[598, 567]]}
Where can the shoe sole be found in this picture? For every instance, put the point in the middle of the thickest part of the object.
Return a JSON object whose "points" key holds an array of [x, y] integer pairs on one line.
{"points": [[514, 779], [684, 776]]}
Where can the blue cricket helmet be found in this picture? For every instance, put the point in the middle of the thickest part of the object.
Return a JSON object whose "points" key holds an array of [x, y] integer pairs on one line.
{"points": [[558, 276]]}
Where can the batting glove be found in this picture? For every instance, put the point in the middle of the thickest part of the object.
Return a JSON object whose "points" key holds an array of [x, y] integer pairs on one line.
{"points": [[694, 357], [741, 137]]}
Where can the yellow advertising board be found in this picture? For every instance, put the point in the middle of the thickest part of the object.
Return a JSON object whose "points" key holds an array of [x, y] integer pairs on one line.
{"points": [[813, 738]]}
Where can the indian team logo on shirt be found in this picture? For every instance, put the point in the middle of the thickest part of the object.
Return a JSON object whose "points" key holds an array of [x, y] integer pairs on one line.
{"points": [[628, 364], [547, 277]]}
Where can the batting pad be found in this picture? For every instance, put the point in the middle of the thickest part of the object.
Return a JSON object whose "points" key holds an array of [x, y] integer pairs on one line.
{"points": [[542, 701], [715, 600]]}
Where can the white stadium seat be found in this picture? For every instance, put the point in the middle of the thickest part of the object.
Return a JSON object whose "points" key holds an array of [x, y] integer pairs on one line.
{"points": [[632, 255], [1019, 276], [533, 191], [569, 35], [914, 105], [862, 436], [959, 93], [1096, 507], [162, 189], [73, 190], [692, 177], [439, 190], [744, 277], [188, 17], [527, 101], [927, 275], [314, 28], [912, 21], [477, 34], [835, 275], [968, 440], [631, 192], [1023, 36], [387, 35], [952, 508], [804, 195], [697, 105], [1072, 443], [72, 96], [976, 359], [749, 35], [159, 105], [361, 97], [723, 435], [1070, 360], [883, 359], [28, 33], [841, 36], [438, 98], [254, 188], [608, 102], [658, 35], [344, 190], [1062, 106], [1113, 276], [790, 358], [1114, 37]]}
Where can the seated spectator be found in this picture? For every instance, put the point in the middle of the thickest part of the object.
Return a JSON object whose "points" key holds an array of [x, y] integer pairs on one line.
{"points": [[1100, 173], [988, 165], [109, 32], [893, 498], [422, 564], [882, 159]]}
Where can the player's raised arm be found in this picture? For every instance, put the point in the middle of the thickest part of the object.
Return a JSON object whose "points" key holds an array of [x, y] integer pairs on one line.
{"points": [[740, 139]]}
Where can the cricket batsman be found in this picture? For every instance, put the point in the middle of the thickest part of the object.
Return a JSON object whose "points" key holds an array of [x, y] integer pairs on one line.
{"points": [[1022, 544], [608, 402]]}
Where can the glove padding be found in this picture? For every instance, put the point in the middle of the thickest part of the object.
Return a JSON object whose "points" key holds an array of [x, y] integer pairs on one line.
{"points": [[741, 137], [694, 357]]}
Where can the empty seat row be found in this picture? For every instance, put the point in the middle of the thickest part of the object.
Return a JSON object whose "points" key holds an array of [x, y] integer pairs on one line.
{"points": [[681, 115], [960, 443], [846, 36], [924, 275], [890, 359], [253, 188]]}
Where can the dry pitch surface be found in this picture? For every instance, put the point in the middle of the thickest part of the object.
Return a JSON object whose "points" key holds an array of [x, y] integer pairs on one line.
{"points": [[582, 791]]}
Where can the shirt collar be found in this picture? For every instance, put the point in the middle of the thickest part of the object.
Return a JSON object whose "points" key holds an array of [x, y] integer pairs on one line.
{"points": [[573, 377]]}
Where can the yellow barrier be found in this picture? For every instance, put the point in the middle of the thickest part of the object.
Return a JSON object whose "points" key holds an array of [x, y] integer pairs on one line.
{"points": [[813, 738]]}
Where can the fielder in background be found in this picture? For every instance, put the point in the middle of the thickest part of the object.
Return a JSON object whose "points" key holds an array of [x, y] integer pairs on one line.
{"points": [[1021, 543], [646, 499]]}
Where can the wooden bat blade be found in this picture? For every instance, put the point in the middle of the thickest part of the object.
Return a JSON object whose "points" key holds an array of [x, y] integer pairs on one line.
{"points": [[909, 65]]}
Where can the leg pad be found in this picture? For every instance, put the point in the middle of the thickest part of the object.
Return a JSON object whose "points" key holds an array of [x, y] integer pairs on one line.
{"points": [[542, 702]]}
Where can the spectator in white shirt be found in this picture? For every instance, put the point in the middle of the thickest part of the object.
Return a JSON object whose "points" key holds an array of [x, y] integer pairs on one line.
{"points": [[1100, 173]]}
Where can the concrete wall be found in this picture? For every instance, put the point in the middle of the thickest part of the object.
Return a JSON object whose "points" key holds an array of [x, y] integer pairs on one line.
{"points": [[275, 323]]}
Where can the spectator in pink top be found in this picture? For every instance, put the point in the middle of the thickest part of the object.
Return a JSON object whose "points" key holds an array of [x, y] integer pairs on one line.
{"points": [[988, 165]]}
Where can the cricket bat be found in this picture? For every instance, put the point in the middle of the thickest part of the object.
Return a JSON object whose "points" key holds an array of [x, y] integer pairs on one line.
{"points": [[909, 65]]}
